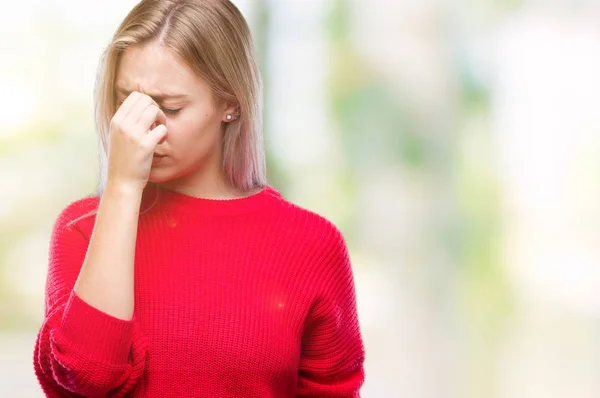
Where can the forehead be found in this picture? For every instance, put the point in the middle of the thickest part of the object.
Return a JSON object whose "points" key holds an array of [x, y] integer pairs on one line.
{"points": [[153, 68]]}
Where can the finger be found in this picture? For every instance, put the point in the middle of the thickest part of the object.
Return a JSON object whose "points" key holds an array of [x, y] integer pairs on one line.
{"points": [[161, 118], [130, 102], [155, 135], [148, 117], [152, 117], [140, 106]]}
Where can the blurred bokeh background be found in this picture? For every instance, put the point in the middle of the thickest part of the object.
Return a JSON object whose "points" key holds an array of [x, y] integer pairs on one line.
{"points": [[454, 143]]}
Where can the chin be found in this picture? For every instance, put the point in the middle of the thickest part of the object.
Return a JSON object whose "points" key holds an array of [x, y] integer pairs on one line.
{"points": [[161, 173], [158, 176]]}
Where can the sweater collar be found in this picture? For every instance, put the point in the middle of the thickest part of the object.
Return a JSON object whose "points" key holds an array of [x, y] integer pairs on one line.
{"points": [[163, 199]]}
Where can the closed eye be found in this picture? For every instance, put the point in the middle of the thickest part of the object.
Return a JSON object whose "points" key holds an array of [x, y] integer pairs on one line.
{"points": [[170, 111]]}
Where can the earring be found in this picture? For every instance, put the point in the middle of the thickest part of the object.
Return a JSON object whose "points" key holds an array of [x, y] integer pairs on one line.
{"points": [[229, 117]]}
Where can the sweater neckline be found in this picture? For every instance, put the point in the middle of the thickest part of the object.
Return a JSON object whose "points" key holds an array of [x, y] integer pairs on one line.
{"points": [[172, 201]]}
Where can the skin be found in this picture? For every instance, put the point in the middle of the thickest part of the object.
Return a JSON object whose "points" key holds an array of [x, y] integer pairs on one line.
{"points": [[185, 129]]}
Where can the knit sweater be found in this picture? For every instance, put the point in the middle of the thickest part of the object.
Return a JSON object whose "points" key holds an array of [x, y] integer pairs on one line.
{"points": [[250, 297]]}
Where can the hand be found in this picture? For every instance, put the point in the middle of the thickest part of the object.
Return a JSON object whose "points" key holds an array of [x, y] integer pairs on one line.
{"points": [[132, 141]]}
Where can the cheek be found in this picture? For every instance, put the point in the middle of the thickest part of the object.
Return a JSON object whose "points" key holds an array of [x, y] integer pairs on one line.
{"points": [[190, 131]]}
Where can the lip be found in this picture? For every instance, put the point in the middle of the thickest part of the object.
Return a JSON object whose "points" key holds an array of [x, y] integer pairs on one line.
{"points": [[157, 159]]}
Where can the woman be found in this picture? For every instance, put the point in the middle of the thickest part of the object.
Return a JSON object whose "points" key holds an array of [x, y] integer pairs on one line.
{"points": [[187, 275]]}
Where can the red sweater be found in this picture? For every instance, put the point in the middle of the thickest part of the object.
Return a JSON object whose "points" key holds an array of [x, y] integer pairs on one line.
{"points": [[251, 297]]}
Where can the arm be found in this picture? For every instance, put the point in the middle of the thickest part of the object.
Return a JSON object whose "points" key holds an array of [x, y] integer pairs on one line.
{"points": [[89, 344], [90, 283], [106, 277], [332, 355]]}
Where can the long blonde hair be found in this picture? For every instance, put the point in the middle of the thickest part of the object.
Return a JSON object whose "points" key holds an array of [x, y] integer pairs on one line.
{"points": [[214, 40]]}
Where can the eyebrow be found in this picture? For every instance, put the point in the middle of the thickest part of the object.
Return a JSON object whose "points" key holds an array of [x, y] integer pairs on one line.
{"points": [[156, 96]]}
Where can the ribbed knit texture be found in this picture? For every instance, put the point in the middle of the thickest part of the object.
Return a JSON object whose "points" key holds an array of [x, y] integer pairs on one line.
{"points": [[251, 297]]}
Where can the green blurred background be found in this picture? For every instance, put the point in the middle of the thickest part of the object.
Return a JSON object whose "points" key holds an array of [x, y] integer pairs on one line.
{"points": [[454, 143]]}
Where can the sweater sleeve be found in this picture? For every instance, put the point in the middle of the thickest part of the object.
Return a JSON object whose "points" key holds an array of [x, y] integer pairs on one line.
{"points": [[332, 352], [80, 350]]}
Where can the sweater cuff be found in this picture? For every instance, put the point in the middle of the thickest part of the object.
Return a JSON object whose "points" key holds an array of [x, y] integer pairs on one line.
{"points": [[101, 336]]}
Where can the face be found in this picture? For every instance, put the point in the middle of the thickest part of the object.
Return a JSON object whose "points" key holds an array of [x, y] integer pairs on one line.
{"points": [[195, 119]]}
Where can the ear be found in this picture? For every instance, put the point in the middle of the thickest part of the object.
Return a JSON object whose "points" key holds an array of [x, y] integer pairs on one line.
{"points": [[230, 113]]}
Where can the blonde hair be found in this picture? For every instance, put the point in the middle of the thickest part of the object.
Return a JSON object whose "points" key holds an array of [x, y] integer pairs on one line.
{"points": [[214, 40]]}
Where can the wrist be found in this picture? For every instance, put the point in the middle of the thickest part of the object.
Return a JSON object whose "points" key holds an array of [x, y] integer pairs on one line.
{"points": [[123, 189]]}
